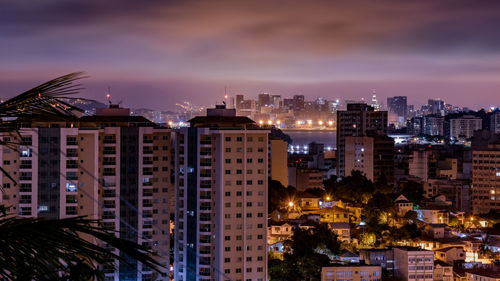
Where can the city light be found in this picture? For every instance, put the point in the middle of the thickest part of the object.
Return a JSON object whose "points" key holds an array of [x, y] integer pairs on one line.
{"points": [[320, 123], [261, 122], [269, 122], [330, 123], [290, 204]]}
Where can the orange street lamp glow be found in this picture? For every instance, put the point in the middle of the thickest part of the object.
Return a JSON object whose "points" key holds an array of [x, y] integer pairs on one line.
{"points": [[290, 204], [269, 122]]}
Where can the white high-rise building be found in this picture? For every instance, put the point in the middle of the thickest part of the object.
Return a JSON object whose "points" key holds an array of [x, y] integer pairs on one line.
{"points": [[221, 199]]}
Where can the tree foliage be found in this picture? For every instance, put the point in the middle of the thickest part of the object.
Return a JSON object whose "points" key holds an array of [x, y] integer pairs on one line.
{"points": [[40, 249], [413, 191], [309, 251]]}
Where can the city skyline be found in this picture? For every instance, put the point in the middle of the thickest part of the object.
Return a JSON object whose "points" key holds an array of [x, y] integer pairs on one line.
{"points": [[164, 52]]}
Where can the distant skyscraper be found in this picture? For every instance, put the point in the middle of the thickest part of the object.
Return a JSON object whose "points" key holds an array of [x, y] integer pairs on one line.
{"points": [[264, 99], [434, 125], [239, 101], [298, 102], [358, 120], [495, 122], [397, 105], [375, 103], [221, 199], [436, 106]]}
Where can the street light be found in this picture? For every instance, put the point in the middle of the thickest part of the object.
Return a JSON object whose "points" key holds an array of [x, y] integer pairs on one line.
{"points": [[290, 204]]}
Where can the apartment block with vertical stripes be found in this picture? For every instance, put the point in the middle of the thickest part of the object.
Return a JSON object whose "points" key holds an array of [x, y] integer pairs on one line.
{"points": [[112, 166], [221, 199]]}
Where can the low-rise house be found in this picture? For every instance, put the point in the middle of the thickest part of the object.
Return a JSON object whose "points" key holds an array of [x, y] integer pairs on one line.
{"points": [[352, 272], [403, 205], [443, 271], [450, 255], [437, 230], [279, 231], [308, 201], [342, 229], [433, 214], [383, 257], [334, 214]]}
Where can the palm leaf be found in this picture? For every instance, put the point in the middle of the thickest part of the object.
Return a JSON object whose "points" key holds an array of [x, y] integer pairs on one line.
{"points": [[39, 249], [45, 99]]}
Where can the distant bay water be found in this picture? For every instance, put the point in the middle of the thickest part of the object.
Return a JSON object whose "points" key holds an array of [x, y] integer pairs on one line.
{"points": [[304, 137]]}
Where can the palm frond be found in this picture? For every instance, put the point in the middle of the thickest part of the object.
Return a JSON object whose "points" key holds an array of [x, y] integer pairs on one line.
{"points": [[45, 99], [39, 249]]}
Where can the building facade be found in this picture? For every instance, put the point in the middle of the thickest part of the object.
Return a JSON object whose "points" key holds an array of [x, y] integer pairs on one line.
{"points": [[357, 121], [221, 199], [111, 167]]}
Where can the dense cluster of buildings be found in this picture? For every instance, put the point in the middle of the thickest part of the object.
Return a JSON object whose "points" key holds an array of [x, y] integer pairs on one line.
{"points": [[206, 184], [208, 180]]}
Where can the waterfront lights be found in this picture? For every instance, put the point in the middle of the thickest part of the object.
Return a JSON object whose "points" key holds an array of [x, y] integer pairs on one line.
{"points": [[330, 123], [170, 123], [261, 122], [269, 122], [309, 122], [320, 123], [278, 122], [290, 204]]}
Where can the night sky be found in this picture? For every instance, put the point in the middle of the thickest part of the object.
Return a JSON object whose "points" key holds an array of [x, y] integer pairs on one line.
{"points": [[155, 53]]}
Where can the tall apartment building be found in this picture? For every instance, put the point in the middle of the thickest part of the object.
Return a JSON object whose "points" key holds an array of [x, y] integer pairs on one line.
{"points": [[465, 126], [485, 172], [422, 164], [413, 264], [495, 122], [436, 106], [398, 105], [357, 121], [433, 125], [221, 199], [111, 166], [374, 156], [278, 163]]}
